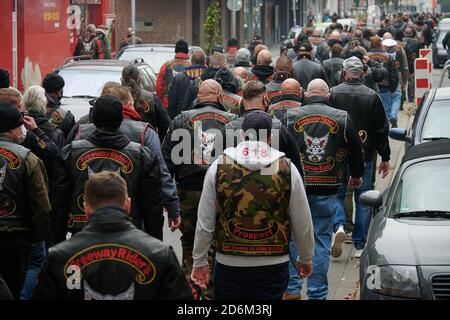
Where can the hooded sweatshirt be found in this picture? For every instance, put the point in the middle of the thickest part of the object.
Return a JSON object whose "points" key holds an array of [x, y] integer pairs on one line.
{"points": [[299, 212]]}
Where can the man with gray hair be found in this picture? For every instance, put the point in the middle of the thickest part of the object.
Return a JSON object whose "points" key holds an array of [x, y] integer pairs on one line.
{"points": [[367, 112], [327, 141], [243, 59]]}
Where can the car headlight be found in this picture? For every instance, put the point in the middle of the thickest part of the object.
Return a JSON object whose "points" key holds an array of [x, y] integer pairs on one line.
{"points": [[442, 52], [396, 281]]}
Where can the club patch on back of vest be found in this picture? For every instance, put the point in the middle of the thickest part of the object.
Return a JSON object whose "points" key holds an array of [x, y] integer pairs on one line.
{"points": [[56, 117], [315, 147], [126, 165], [91, 294], [7, 208], [208, 116], [144, 269], [203, 153], [11, 157], [299, 126]]}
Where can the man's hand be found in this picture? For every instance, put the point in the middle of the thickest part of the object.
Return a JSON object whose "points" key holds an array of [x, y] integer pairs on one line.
{"points": [[200, 276], [384, 167], [29, 123], [174, 223], [304, 270], [354, 183]]}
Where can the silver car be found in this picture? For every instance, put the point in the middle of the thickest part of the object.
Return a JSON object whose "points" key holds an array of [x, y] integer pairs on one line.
{"points": [[407, 255]]}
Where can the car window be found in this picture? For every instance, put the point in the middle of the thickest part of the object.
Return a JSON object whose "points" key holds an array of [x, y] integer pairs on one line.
{"points": [[145, 79], [87, 82], [424, 186], [436, 120], [154, 58], [152, 78]]}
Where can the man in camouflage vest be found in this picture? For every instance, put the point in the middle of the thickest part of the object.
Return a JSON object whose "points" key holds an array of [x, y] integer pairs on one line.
{"points": [[24, 204], [189, 149], [327, 141], [253, 201]]}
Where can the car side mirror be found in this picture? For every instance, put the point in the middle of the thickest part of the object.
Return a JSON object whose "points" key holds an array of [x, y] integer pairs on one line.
{"points": [[371, 198], [399, 134]]}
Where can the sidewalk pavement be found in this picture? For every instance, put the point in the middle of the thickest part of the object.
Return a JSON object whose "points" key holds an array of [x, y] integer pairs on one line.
{"points": [[343, 275]]}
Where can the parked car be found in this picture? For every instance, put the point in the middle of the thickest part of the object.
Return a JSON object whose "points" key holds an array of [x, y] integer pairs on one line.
{"points": [[444, 24], [153, 54], [439, 53], [431, 120], [407, 251], [85, 79]]}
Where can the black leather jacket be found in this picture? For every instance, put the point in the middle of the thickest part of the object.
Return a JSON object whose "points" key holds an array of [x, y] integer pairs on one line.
{"points": [[367, 112], [306, 70], [116, 261], [333, 67]]}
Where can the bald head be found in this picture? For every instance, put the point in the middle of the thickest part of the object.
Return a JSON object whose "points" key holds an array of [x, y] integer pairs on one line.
{"points": [[284, 64], [387, 35], [317, 32], [217, 60], [241, 72], [318, 87], [264, 58], [198, 57], [209, 91], [291, 86], [258, 49], [335, 35]]}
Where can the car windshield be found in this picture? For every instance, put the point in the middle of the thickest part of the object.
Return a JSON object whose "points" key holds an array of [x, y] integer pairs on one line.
{"points": [[436, 121], [441, 36], [87, 82], [291, 34], [424, 187], [154, 58]]}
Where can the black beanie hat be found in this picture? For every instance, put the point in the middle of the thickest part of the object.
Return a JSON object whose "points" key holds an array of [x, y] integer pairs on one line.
{"points": [[182, 46], [10, 117], [257, 120], [4, 79], [107, 112], [53, 82]]}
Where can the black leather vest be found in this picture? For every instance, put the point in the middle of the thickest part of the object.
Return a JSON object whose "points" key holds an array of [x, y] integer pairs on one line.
{"points": [[14, 203], [135, 130], [203, 125], [320, 134], [279, 110], [87, 160]]}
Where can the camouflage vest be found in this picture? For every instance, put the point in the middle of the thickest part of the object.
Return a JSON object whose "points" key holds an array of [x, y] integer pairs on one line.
{"points": [[232, 103], [135, 130], [320, 134], [14, 203], [87, 160], [252, 210], [279, 110], [203, 125]]}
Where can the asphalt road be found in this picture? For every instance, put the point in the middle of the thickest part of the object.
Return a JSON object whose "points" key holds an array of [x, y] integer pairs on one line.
{"points": [[344, 272]]}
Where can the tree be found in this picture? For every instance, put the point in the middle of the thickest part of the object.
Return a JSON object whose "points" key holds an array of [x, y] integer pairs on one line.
{"points": [[212, 25]]}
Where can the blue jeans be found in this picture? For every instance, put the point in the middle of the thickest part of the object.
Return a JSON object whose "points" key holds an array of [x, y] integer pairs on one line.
{"points": [[323, 210], [295, 283], [396, 103], [386, 98], [362, 213], [250, 283], [35, 262]]}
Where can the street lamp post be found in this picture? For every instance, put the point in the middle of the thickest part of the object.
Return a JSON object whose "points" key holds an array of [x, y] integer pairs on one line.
{"points": [[133, 20]]}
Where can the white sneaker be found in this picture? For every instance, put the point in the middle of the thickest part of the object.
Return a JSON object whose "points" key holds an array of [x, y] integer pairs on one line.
{"points": [[358, 254], [339, 238]]}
